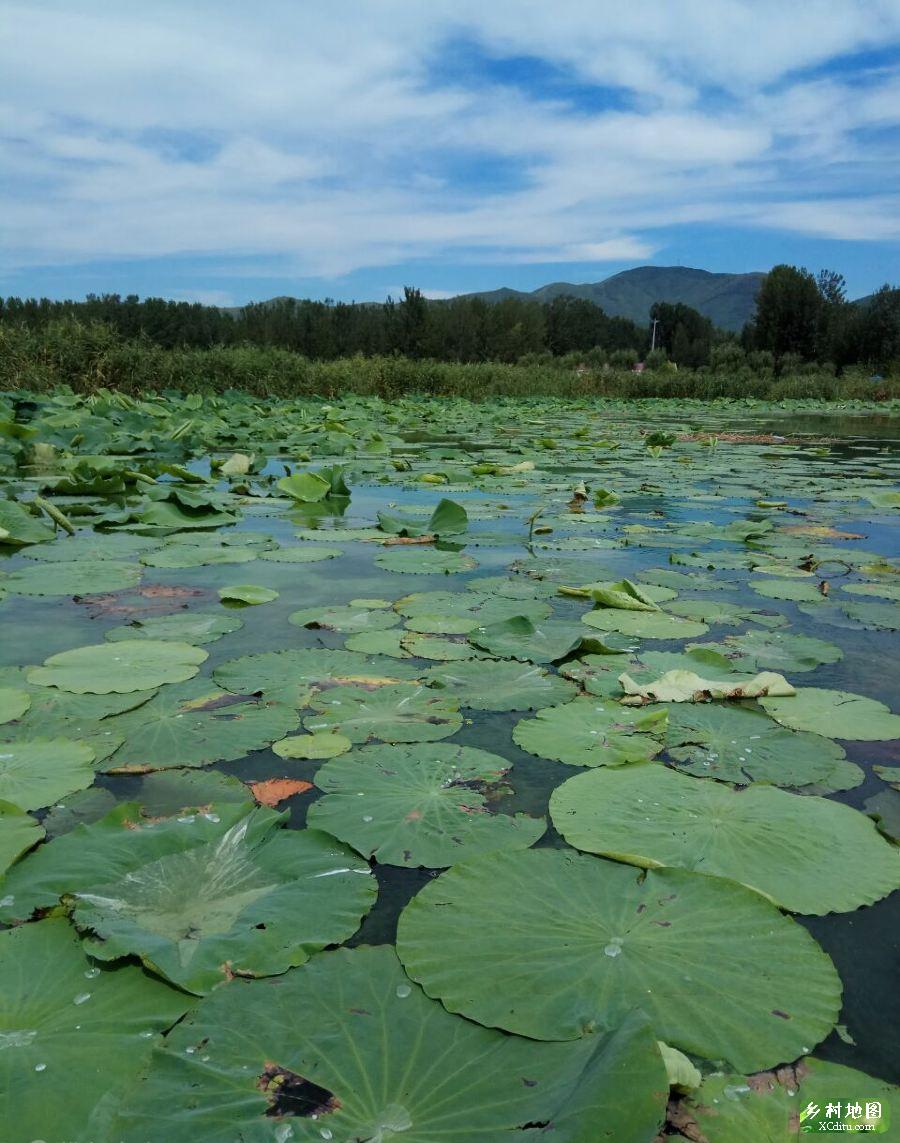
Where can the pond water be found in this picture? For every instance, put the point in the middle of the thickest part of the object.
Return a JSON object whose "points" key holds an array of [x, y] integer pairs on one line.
{"points": [[809, 509]]}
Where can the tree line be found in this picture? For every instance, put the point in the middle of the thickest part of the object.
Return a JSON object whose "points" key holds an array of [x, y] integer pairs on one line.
{"points": [[800, 319]]}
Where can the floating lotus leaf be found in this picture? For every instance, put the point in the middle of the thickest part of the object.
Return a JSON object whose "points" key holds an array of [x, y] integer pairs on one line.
{"points": [[195, 556], [552, 945], [195, 724], [884, 809], [130, 665], [593, 732], [247, 593], [784, 651], [882, 616], [837, 714], [885, 590], [511, 588], [379, 643], [598, 674], [769, 1108], [13, 703], [189, 626], [491, 684], [350, 619], [433, 647], [703, 658], [741, 744], [622, 595], [644, 624], [420, 806], [201, 896], [787, 589], [425, 561], [19, 832], [382, 1062], [401, 712], [308, 487], [37, 773], [81, 577], [720, 612], [542, 642], [76, 1036], [686, 686], [18, 527], [681, 581], [301, 554], [766, 838], [889, 774], [289, 676], [325, 744]]}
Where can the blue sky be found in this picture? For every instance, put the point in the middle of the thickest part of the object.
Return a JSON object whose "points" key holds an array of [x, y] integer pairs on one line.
{"points": [[224, 153]]}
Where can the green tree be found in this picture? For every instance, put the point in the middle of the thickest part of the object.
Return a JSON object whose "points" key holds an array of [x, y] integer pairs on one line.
{"points": [[788, 313]]}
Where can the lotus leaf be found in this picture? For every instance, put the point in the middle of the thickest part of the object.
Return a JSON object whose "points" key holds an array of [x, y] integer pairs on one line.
{"points": [[250, 594], [686, 686], [307, 487], [189, 626], [644, 624], [289, 676], [352, 619], [19, 527], [379, 643], [883, 616], [19, 832], [37, 773], [491, 684], [837, 714], [129, 665], [766, 838], [384, 1061], [787, 589], [80, 577], [554, 945], [764, 650], [425, 561], [76, 1035], [201, 896], [520, 638], [195, 556], [592, 732], [13, 703], [400, 712], [301, 554], [415, 806], [884, 808], [325, 744]]}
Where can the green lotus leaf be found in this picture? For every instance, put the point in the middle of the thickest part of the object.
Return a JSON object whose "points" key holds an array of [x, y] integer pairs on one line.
{"points": [[250, 594], [681, 581], [882, 616], [885, 590], [687, 686], [837, 714], [722, 612], [76, 1035], [91, 545], [410, 806], [622, 595], [787, 589], [884, 809], [698, 657], [201, 896], [448, 519], [325, 744], [784, 651], [379, 643], [742, 744], [433, 647], [84, 806], [37, 773], [195, 556], [458, 613], [13, 703], [289, 676], [351, 619], [195, 627], [401, 712], [307, 487], [553, 945], [130, 665], [766, 838], [386, 1060], [542, 642], [19, 832], [80, 577], [773, 1107], [300, 554], [491, 684], [644, 624], [598, 674], [425, 561], [593, 732], [889, 774], [195, 724], [19, 527]]}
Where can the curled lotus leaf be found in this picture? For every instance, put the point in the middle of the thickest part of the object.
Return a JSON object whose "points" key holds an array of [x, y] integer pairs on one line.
{"points": [[767, 839], [554, 945], [129, 665], [375, 1065], [201, 896], [686, 686]]}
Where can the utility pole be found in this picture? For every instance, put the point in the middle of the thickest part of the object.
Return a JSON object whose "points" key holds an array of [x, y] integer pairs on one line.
{"points": [[653, 335]]}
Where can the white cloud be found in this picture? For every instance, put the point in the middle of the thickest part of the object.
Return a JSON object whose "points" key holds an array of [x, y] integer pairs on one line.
{"points": [[318, 136]]}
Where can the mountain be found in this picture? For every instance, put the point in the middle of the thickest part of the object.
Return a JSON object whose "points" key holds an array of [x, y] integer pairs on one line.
{"points": [[727, 299]]}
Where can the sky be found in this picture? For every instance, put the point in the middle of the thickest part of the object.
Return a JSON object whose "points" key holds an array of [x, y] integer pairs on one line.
{"points": [[225, 152]]}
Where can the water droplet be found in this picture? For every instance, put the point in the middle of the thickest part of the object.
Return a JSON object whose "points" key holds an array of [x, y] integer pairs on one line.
{"points": [[40, 1067], [187, 820], [613, 949], [145, 1035], [92, 973], [189, 1051], [403, 990], [367, 817], [212, 817], [326, 1133], [82, 998]]}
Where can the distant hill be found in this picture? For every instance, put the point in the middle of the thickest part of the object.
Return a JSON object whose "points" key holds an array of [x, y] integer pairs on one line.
{"points": [[727, 299]]}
